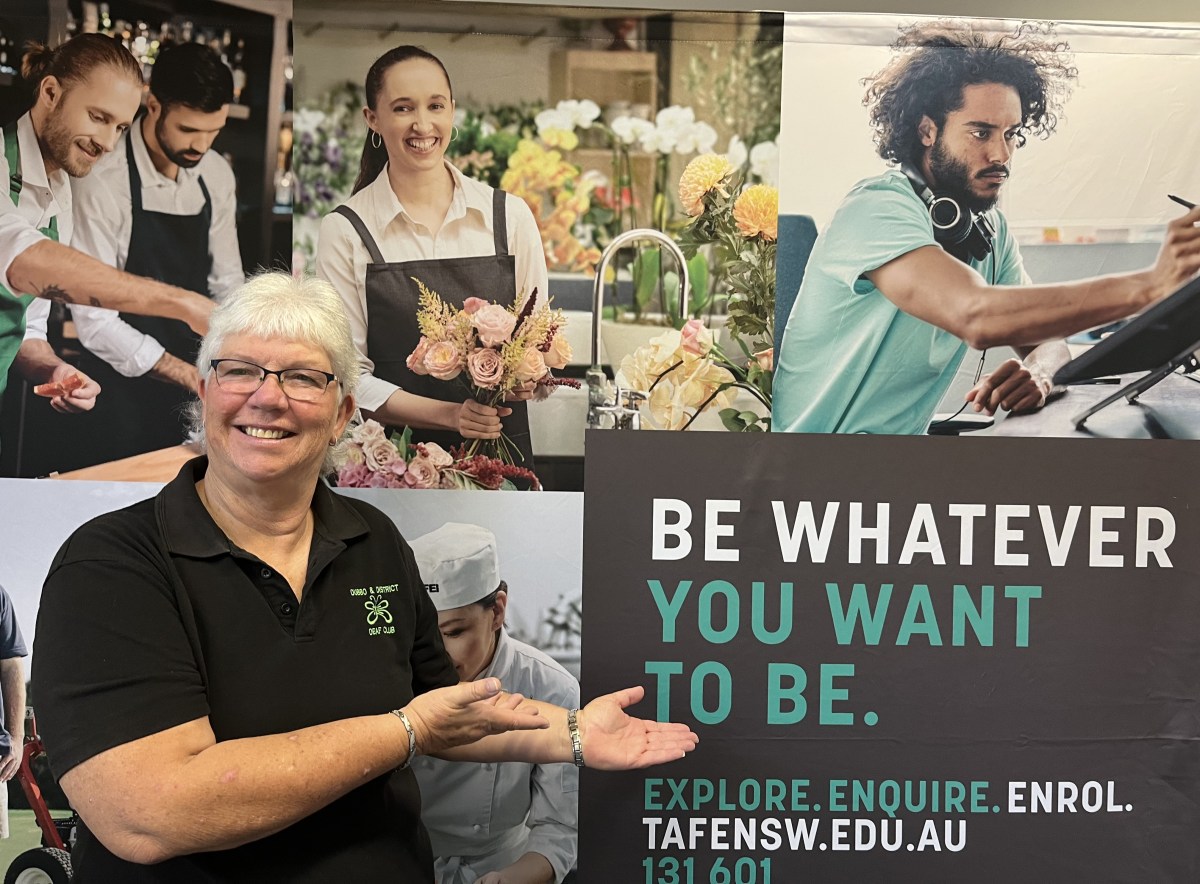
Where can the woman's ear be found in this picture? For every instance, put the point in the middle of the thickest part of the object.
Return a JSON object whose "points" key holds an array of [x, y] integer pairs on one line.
{"points": [[499, 609]]}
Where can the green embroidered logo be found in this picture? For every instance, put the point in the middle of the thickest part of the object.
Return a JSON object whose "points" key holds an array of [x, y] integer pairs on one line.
{"points": [[375, 600], [377, 609]]}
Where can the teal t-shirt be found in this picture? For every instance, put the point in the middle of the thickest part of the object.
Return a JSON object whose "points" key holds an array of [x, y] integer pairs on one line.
{"points": [[851, 361]]}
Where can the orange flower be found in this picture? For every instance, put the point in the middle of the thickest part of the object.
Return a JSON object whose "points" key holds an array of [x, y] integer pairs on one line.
{"points": [[705, 173], [757, 212]]}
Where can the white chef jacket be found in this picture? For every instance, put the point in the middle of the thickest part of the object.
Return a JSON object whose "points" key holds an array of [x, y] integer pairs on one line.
{"points": [[104, 223], [42, 198], [466, 233], [482, 817]]}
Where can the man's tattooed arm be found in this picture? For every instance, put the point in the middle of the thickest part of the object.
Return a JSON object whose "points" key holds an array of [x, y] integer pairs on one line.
{"points": [[62, 296]]}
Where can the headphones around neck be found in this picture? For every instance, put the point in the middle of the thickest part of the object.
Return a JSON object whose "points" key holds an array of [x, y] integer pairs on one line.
{"points": [[960, 232]]}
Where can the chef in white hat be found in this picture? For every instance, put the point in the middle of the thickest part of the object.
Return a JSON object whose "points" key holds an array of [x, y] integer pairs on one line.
{"points": [[510, 822]]}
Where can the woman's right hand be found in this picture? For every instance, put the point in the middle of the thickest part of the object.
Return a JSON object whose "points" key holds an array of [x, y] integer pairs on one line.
{"points": [[455, 716], [479, 421]]}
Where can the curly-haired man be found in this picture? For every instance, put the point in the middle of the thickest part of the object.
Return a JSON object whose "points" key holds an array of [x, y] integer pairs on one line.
{"points": [[917, 263]]}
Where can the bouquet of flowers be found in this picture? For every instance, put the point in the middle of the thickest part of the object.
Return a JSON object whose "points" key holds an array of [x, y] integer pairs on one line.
{"points": [[493, 349], [685, 372], [372, 459]]}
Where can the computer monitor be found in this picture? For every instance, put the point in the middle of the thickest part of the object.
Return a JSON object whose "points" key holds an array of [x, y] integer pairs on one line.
{"points": [[1164, 335]]}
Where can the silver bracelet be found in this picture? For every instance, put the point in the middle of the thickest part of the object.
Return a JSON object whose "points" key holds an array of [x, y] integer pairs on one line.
{"points": [[412, 737], [576, 739]]}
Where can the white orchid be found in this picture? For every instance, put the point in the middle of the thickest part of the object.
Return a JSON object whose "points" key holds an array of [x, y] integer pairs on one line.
{"points": [[736, 152], [581, 113], [631, 129], [553, 119], [697, 138], [764, 162]]}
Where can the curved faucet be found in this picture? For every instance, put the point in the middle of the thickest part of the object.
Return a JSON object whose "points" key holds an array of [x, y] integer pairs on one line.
{"points": [[624, 239], [596, 380]]}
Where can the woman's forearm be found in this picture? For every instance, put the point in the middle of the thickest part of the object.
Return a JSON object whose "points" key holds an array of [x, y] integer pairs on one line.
{"points": [[178, 798], [420, 412]]}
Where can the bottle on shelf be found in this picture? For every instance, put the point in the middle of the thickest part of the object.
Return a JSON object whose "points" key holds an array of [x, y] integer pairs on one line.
{"points": [[239, 71]]}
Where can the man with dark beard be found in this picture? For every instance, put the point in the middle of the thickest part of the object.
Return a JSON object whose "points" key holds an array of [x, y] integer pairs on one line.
{"points": [[918, 264], [161, 205], [85, 93]]}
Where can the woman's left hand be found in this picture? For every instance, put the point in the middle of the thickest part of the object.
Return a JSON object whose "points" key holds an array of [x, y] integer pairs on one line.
{"points": [[613, 740]]}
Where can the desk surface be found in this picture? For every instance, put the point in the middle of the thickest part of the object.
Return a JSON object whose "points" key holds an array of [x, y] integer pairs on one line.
{"points": [[153, 466], [1169, 410]]}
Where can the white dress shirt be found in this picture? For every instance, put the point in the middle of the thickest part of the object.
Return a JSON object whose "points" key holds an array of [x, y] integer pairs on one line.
{"points": [[483, 817], [104, 222], [466, 233], [43, 198]]}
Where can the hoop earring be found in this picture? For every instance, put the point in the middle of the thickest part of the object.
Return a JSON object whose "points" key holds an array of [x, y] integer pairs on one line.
{"points": [[453, 134], [376, 141]]}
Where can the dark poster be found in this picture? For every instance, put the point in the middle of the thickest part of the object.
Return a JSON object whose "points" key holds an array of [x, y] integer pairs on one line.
{"points": [[932, 660]]}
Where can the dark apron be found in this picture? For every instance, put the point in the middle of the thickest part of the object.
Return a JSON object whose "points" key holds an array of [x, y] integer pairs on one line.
{"points": [[392, 331], [135, 415], [12, 326]]}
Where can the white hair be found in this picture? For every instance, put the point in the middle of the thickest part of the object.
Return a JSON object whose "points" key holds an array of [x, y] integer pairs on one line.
{"points": [[276, 305]]}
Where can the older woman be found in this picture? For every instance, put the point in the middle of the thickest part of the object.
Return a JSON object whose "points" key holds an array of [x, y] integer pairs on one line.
{"points": [[234, 676]]}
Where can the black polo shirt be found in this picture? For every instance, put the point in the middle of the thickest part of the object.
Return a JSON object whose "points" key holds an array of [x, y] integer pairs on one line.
{"points": [[151, 617]]}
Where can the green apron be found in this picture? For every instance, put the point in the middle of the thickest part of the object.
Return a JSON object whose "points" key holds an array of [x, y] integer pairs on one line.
{"points": [[12, 306]]}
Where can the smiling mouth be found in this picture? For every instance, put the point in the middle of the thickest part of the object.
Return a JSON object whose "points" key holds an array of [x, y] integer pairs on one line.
{"points": [[263, 433], [92, 150], [422, 145]]}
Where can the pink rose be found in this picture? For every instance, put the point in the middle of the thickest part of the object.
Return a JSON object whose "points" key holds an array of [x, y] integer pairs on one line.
{"points": [[422, 474], [435, 454], [416, 359], [531, 367], [368, 431], [471, 306], [695, 338], [486, 367], [494, 324], [766, 359], [380, 454], [443, 361], [354, 475], [559, 354]]}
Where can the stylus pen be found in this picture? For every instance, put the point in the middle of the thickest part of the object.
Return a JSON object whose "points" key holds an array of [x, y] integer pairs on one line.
{"points": [[1185, 203]]}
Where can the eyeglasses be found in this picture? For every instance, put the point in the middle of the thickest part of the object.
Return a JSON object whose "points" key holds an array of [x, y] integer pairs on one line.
{"points": [[301, 384]]}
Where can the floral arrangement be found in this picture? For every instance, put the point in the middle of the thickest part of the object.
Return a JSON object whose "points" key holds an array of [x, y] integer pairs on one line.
{"points": [[327, 142], [741, 223], [488, 137], [372, 459], [492, 348], [679, 372], [558, 197]]}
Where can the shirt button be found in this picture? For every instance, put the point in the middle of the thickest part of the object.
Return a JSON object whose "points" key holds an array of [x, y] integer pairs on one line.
{"points": [[476, 827], [285, 608], [266, 572]]}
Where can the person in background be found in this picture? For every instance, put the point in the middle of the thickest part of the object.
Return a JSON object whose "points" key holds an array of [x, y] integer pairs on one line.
{"points": [[161, 205], [85, 93], [918, 263], [234, 676], [510, 823], [12, 702], [414, 215]]}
